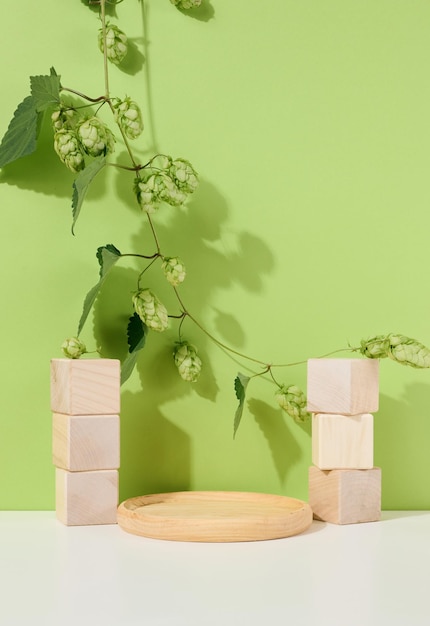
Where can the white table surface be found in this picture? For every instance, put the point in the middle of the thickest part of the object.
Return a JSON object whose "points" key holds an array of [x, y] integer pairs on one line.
{"points": [[352, 575]]}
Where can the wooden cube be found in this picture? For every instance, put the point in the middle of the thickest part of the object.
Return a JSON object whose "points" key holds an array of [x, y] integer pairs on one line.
{"points": [[344, 386], [85, 442], [345, 496], [342, 441], [85, 386], [84, 498]]}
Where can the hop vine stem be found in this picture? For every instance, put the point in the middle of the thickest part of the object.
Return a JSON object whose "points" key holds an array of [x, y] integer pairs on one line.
{"points": [[268, 367], [106, 80], [84, 96], [105, 58]]}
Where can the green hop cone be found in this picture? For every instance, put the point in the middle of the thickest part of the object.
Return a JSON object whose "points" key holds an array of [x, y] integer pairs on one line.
{"points": [[293, 401], [174, 270], [408, 351], [129, 117], [95, 137], [171, 192], [63, 118], [183, 175], [186, 4], [155, 186], [68, 148], [116, 43], [375, 348], [186, 360], [151, 311], [73, 348], [170, 182], [147, 188]]}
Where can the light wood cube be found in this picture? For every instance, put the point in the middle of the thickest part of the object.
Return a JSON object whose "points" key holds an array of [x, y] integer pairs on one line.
{"points": [[84, 498], [85, 442], [342, 441], [344, 386], [85, 386], [345, 496]]}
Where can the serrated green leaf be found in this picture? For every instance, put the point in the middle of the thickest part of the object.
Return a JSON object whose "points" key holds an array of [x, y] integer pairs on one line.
{"points": [[240, 384], [21, 136], [107, 256], [45, 90], [81, 185], [127, 366], [136, 335]]}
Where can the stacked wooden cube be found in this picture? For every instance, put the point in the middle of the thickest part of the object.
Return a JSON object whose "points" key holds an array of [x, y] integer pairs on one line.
{"points": [[343, 394], [85, 401]]}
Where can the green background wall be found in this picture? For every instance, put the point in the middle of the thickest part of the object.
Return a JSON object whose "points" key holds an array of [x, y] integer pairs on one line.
{"points": [[308, 123]]}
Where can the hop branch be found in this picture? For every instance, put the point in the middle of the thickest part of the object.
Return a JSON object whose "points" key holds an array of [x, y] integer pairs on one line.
{"points": [[85, 143], [170, 181]]}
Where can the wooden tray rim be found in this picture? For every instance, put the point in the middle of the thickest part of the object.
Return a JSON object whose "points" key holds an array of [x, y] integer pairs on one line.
{"points": [[132, 517]]}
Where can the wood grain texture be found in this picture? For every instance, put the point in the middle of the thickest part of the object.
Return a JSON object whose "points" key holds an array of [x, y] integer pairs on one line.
{"points": [[214, 516], [345, 496], [342, 441], [85, 442], [85, 386], [343, 386], [84, 498]]}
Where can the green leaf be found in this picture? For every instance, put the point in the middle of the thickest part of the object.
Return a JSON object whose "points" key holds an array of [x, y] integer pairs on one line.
{"points": [[127, 366], [21, 136], [45, 90], [240, 384], [136, 335], [82, 183], [107, 256]]}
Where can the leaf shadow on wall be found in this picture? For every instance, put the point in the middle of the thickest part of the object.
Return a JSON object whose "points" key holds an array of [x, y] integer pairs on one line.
{"points": [[401, 448], [156, 454], [278, 433]]}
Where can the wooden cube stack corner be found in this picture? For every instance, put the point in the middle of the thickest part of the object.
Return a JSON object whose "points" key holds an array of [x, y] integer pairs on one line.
{"points": [[343, 394], [85, 403]]}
